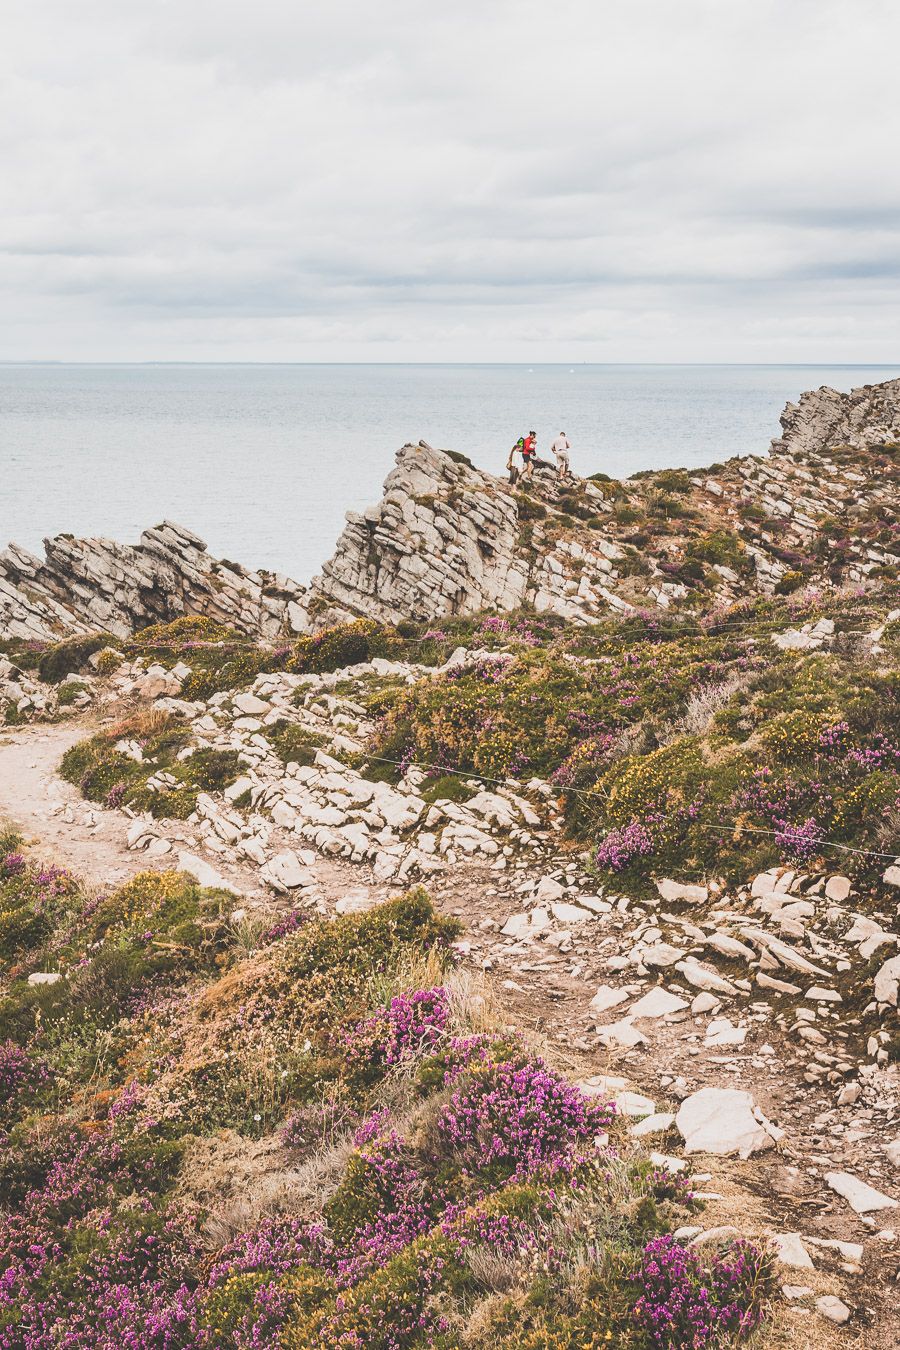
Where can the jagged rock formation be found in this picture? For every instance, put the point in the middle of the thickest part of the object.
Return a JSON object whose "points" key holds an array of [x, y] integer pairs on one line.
{"points": [[825, 419], [89, 584], [448, 539]]}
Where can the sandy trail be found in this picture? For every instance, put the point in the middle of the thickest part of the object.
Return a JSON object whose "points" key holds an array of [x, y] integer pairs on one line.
{"points": [[52, 812]]}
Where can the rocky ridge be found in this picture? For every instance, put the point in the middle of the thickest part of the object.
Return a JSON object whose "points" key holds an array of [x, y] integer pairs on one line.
{"points": [[449, 539], [90, 585]]}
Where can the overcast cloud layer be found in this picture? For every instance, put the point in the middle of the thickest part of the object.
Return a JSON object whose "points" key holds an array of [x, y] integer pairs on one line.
{"points": [[492, 180]]}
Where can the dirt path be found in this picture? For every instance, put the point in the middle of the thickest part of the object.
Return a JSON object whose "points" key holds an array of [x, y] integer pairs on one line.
{"points": [[93, 842], [52, 812]]}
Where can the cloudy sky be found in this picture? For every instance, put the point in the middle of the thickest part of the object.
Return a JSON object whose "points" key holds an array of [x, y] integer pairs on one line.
{"points": [[478, 180]]}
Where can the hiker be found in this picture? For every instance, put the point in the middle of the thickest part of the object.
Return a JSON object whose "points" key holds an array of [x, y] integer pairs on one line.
{"points": [[560, 448], [510, 463], [529, 452]]}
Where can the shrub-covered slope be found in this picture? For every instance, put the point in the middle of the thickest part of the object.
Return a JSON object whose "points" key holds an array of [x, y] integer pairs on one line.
{"points": [[422, 1177]]}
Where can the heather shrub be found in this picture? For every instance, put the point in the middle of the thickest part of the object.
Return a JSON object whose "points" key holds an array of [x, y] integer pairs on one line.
{"points": [[410, 1026], [384, 1202], [22, 1077], [687, 1304], [511, 1118], [32, 898], [530, 711]]}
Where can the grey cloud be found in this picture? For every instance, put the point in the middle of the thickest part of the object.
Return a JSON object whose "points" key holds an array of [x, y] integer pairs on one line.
{"points": [[215, 178]]}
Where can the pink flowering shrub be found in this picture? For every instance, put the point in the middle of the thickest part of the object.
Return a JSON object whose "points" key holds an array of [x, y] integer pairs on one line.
{"points": [[410, 1025], [514, 1117], [22, 1075], [685, 1304]]}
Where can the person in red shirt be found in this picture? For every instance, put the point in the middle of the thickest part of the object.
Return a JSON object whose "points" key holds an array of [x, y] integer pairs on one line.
{"points": [[529, 450]]}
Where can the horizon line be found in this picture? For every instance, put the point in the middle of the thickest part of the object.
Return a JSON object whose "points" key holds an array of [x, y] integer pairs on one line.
{"points": [[769, 365]]}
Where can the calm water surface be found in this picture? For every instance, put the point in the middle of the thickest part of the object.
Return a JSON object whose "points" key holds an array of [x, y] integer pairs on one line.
{"points": [[264, 460]]}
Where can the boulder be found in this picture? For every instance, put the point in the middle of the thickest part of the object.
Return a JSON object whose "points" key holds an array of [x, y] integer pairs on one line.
{"points": [[203, 873], [833, 1308], [887, 982], [790, 1251], [285, 872], [607, 997], [673, 891], [656, 1002], [723, 1121]]}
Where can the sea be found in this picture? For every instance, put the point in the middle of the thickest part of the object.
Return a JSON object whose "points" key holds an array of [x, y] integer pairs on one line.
{"points": [[263, 461]]}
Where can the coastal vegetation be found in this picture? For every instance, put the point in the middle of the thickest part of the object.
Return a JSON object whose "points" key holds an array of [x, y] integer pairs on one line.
{"points": [[464, 1193]]}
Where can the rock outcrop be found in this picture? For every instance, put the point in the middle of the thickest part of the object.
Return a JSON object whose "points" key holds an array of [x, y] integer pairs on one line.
{"points": [[825, 420], [85, 585], [448, 539]]}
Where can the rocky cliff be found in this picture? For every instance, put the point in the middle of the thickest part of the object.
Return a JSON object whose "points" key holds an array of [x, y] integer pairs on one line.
{"points": [[448, 539]]}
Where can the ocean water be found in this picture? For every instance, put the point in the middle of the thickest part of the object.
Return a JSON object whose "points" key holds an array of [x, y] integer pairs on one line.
{"points": [[264, 460]]}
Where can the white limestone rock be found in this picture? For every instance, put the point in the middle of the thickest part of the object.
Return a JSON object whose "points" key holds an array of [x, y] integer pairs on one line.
{"points": [[724, 1121], [203, 873], [861, 1197], [887, 982], [658, 1002]]}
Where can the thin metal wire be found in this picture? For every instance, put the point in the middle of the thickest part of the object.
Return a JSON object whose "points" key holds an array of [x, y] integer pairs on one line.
{"points": [[737, 827]]}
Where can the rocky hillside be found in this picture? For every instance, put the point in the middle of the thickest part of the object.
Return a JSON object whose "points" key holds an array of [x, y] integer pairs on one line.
{"points": [[447, 539], [627, 1074]]}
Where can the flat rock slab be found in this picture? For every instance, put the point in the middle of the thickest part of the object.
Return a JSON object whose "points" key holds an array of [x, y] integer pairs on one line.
{"points": [[723, 1121], [607, 997], [677, 890], [833, 1308], [790, 1251], [656, 1002], [655, 1124], [204, 874], [861, 1197], [621, 1035], [721, 1031]]}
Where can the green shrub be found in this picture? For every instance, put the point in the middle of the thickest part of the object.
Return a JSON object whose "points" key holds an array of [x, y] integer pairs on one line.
{"points": [[347, 644], [292, 744], [187, 629], [323, 970], [720, 546], [66, 657], [69, 692], [790, 582], [528, 509]]}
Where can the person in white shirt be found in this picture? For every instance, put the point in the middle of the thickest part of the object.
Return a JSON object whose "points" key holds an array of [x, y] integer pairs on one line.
{"points": [[560, 448]]}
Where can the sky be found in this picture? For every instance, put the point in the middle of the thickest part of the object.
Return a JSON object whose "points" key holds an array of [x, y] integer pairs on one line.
{"points": [[500, 180]]}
